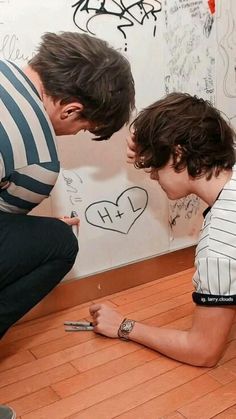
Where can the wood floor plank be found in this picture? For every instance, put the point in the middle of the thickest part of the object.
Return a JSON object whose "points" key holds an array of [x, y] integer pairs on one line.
{"points": [[152, 289], [155, 299], [34, 327], [117, 350], [139, 394], [227, 414], [37, 382], [102, 391], [224, 373], [103, 372], [51, 361], [212, 404], [34, 401], [15, 359], [174, 399]]}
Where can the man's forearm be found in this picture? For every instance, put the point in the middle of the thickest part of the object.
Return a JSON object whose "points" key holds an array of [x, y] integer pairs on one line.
{"points": [[177, 344]]}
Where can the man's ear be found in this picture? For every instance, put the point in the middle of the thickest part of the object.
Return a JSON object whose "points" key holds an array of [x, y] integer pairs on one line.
{"points": [[71, 110]]}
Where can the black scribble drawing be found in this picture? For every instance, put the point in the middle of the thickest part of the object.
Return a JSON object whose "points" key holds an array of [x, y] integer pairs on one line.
{"points": [[227, 50], [173, 220], [127, 13], [207, 28], [185, 207], [121, 215], [72, 179], [209, 87]]}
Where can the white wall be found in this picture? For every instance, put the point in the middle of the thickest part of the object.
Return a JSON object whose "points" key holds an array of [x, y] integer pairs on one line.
{"points": [[171, 45]]}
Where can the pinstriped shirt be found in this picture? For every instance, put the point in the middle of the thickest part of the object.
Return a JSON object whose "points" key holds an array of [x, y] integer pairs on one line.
{"points": [[29, 164], [215, 276]]}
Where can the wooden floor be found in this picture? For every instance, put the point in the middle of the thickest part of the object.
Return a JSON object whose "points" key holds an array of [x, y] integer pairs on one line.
{"points": [[48, 373]]}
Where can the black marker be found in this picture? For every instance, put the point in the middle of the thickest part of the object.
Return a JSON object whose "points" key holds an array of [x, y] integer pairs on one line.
{"points": [[75, 227], [78, 326]]}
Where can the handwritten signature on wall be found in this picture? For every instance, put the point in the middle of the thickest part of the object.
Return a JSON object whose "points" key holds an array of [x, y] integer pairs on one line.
{"points": [[10, 49], [126, 13], [121, 215], [185, 207], [72, 179]]}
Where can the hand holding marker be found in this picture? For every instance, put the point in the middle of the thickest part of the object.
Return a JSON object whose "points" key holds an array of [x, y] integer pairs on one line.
{"points": [[75, 227], [72, 221]]}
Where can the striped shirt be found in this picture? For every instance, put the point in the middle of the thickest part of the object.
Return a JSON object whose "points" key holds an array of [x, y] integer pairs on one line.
{"points": [[215, 261], [29, 164]]}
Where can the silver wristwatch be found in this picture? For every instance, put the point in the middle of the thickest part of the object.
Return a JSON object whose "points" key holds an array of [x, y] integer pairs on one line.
{"points": [[125, 328]]}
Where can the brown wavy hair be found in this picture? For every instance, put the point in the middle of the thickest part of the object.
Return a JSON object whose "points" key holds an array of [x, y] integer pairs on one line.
{"points": [[83, 68], [188, 129]]}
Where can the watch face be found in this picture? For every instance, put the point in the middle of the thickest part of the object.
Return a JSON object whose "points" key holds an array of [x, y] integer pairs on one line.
{"points": [[126, 326]]}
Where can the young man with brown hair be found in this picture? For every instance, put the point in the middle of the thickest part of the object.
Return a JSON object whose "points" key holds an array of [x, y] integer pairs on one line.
{"points": [[188, 147], [75, 82]]}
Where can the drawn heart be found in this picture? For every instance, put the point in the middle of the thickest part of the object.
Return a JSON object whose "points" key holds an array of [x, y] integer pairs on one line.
{"points": [[121, 215]]}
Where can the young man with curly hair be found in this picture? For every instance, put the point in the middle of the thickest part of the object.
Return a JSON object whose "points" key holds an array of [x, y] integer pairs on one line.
{"points": [[188, 147]]}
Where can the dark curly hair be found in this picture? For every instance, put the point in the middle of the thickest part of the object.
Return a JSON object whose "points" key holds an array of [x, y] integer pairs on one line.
{"points": [[84, 68], [188, 129]]}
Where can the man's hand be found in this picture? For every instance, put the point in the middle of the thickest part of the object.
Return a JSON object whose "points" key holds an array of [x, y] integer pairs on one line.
{"points": [[106, 320], [130, 150]]}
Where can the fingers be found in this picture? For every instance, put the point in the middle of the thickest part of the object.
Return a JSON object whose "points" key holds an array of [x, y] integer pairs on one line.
{"points": [[94, 309], [131, 142], [130, 155], [94, 312], [70, 221], [106, 320], [73, 221]]}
